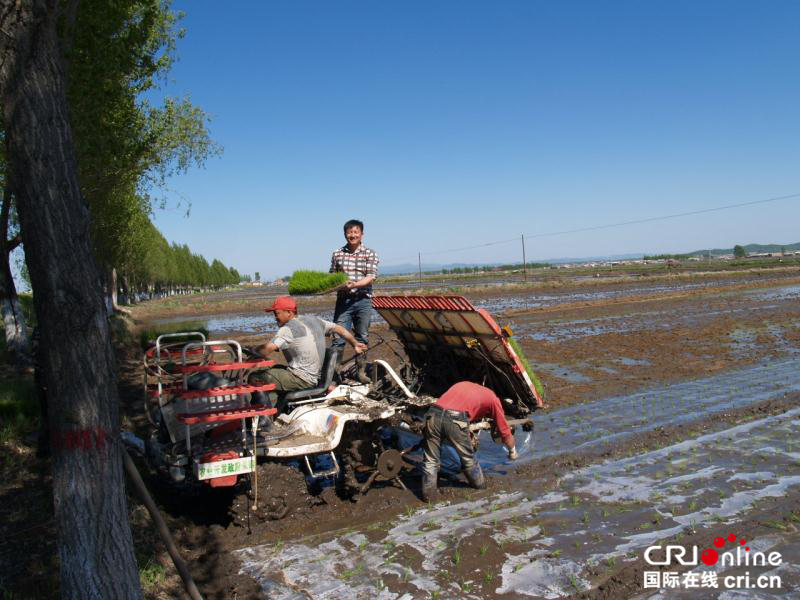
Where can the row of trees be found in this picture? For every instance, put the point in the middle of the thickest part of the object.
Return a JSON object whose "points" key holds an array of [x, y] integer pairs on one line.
{"points": [[83, 161], [126, 148], [162, 268]]}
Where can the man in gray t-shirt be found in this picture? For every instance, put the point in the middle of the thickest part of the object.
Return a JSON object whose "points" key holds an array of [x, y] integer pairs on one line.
{"points": [[301, 339]]}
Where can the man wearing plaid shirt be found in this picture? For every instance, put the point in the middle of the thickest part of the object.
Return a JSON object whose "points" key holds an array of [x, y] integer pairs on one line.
{"points": [[354, 298]]}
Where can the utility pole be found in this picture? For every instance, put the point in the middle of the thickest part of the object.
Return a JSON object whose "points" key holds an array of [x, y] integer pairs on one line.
{"points": [[419, 262], [524, 263]]}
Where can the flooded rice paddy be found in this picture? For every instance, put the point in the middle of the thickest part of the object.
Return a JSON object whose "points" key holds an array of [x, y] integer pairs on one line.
{"points": [[549, 543], [630, 367]]}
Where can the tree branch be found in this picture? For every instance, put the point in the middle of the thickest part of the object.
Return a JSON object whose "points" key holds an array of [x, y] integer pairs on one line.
{"points": [[5, 211], [12, 244]]}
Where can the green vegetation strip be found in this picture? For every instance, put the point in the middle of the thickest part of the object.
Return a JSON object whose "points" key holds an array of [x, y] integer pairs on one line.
{"points": [[314, 282], [528, 369], [149, 335]]}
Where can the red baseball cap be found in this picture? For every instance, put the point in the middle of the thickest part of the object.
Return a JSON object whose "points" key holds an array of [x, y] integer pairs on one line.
{"points": [[282, 303]]}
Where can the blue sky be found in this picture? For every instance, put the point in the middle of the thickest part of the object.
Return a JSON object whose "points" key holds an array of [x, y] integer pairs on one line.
{"points": [[444, 125]]}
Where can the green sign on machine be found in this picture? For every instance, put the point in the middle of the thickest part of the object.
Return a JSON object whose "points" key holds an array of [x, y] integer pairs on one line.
{"points": [[222, 468]]}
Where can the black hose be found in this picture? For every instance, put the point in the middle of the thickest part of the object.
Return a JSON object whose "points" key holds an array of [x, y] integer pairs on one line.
{"points": [[161, 526]]}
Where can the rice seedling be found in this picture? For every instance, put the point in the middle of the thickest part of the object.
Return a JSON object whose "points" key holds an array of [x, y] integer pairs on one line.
{"points": [[528, 369], [456, 557], [314, 282]]}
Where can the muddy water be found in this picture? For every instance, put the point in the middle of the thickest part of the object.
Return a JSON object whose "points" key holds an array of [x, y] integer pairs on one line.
{"points": [[607, 421], [264, 323], [250, 324], [632, 322], [536, 542], [503, 303]]}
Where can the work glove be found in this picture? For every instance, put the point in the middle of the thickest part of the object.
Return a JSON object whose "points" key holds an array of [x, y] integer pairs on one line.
{"points": [[512, 453]]}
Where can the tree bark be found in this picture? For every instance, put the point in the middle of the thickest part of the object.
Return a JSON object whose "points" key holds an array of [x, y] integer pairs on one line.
{"points": [[94, 539]]}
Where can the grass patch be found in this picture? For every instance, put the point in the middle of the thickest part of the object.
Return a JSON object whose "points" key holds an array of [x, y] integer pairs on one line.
{"points": [[19, 409], [151, 575], [314, 282], [148, 336], [528, 369]]}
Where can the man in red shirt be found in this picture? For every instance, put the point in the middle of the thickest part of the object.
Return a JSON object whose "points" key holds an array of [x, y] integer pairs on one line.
{"points": [[448, 420]]}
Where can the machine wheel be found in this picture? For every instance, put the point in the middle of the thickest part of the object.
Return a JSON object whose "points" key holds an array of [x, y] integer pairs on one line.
{"points": [[390, 463]]}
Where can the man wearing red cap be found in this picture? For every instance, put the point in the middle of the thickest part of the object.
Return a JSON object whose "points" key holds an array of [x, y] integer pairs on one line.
{"points": [[302, 341]]}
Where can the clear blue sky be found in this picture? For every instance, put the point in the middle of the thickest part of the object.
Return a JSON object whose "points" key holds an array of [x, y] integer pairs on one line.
{"points": [[450, 124]]}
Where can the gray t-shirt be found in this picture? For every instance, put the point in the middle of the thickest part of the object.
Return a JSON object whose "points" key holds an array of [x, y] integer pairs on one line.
{"points": [[302, 341]]}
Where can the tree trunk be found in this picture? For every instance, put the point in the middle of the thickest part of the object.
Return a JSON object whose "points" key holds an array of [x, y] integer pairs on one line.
{"points": [[16, 331], [94, 538], [17, 340], [130, 294], [113, 289]]}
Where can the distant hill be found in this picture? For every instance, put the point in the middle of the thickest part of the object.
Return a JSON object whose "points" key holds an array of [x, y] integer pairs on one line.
{"points": [[429, 267], [750, 249]]}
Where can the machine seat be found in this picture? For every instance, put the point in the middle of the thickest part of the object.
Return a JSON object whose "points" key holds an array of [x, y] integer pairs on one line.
{"points": [[326, 378]]}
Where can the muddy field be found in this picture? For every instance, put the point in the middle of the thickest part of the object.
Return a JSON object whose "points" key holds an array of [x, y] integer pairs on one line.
{"points": [[673, 413], [672, 418]]}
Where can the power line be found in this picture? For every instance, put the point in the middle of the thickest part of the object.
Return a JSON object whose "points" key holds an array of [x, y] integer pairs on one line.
{"points": [[611, 225], [665, 217]]}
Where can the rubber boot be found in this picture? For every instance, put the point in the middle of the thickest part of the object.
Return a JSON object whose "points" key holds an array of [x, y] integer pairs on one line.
{"points": [[361, 372], [430, 491], [267, 399], [475, 476]]}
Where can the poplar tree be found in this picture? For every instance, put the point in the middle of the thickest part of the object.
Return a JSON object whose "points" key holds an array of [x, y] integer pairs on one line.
{"points": [[94, 539]]}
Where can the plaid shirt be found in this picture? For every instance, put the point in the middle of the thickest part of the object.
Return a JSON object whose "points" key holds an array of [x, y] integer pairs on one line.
{"points": [[357, 265]]}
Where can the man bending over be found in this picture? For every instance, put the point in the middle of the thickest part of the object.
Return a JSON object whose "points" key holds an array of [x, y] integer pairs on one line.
{"points": [[448, 420]]}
